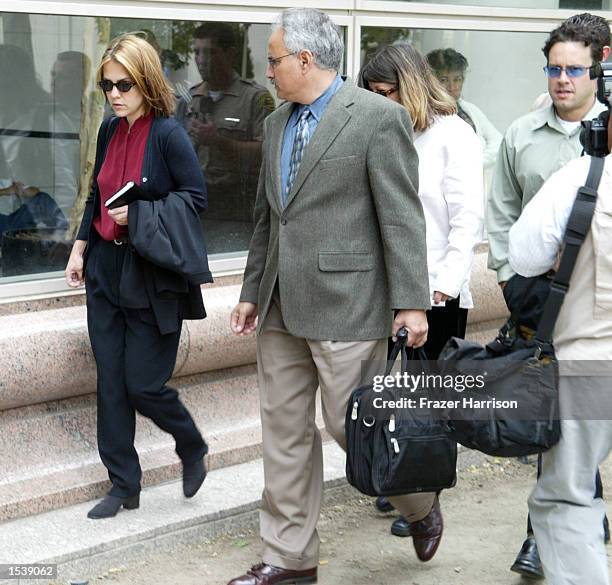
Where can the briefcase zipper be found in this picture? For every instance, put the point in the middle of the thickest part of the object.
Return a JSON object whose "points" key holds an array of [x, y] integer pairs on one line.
{"points": [[392, 424], [354, 413], [395, 445]]}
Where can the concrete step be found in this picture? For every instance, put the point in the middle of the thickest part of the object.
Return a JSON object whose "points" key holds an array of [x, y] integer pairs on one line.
{"points": [[227, 502], [49, 457]]}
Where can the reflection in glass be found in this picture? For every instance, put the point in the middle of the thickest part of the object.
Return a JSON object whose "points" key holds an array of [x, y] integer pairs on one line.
{"points": [[505, 68], [224, 114], [450, 68], [542, 4], [27, 201], [50, 113]]}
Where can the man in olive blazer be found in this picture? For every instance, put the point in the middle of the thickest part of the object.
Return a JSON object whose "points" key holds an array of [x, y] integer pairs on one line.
{"points": [[330, 261]]}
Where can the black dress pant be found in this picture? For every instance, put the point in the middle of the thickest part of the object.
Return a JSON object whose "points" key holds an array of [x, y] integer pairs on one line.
{"points": [[134, 362]]}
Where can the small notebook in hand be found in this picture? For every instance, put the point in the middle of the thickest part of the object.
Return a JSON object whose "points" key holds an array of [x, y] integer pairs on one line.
{"points": [[128, 193]]}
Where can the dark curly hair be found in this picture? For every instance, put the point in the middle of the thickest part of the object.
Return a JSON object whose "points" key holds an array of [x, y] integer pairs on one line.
{"points": [[593, 31], [447, 60]]}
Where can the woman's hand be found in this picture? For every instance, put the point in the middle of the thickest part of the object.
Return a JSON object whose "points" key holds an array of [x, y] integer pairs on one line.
{"points": [[440, 297], [74, 268], [119, 215]]}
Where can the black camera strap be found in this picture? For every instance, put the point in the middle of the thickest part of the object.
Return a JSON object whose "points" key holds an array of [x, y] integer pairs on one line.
{"points": [[578, 226]]}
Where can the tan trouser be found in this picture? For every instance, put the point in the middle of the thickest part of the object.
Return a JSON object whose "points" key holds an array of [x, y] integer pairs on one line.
{"points": [[290, 371]]}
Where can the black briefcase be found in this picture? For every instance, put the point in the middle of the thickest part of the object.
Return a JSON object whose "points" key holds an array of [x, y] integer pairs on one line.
{"points": [[394, 451]]}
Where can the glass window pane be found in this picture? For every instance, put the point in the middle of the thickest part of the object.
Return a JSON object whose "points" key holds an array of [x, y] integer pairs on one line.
{"points": [[218, 70], [503, 79], [542, 4], [504, 74], [51, 110]]}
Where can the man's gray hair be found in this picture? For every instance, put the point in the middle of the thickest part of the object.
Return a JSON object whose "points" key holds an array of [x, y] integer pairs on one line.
{"points": [[313, 30]]}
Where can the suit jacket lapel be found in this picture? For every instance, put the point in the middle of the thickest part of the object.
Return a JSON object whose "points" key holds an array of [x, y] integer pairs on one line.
{"points": [[277, 131], [334, 119]]}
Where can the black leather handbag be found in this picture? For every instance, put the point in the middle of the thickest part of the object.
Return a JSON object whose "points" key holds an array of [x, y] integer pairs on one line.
{"points": [[517, 367], [394, 451]]}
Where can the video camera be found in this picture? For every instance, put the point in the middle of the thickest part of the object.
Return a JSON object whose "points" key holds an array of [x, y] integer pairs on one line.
{"points": [[594, 134]]}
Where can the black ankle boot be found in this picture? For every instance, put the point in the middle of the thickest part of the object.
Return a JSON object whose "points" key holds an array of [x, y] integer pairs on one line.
{"points": [[109, 506], [383, 504], [194, 475], [400, 527]]}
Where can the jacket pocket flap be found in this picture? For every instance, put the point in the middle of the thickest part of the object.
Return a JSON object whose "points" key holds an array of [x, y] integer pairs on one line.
{"points": [[345, 261]]}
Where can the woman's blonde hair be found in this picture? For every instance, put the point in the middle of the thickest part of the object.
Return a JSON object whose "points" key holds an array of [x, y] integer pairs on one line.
{"points": [[420, 92], [142, 63]]}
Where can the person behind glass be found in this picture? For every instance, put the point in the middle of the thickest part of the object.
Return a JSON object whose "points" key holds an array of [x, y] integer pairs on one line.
{"points": [[450, 67], [70, 76], [224, 117], [450, 189], [27, 199], [125, 255]]}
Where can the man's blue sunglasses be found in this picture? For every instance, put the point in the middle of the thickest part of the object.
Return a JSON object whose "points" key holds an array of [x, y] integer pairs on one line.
{"points": [[572, 70]]}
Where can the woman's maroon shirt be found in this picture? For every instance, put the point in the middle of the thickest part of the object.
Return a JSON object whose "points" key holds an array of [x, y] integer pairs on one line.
{"points": [[122, 163]]}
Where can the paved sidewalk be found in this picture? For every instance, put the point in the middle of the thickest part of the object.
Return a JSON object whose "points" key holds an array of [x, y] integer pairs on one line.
{"points": [[485, 522]]}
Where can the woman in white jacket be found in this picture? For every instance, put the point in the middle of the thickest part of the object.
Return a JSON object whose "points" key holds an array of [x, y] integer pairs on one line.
{"points": [[450, 188], [450, 182]]}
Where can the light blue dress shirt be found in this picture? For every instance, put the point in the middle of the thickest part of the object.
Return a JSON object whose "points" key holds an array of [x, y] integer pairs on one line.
{"points": [[317, 108]]}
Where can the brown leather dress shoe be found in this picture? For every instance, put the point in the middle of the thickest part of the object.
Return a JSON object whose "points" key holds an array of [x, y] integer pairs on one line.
{"points": [[263, 574], [427, 533]]}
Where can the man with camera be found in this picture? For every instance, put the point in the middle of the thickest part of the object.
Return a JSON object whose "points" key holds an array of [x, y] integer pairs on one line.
{"points": [[567, 519], [537, 145]]}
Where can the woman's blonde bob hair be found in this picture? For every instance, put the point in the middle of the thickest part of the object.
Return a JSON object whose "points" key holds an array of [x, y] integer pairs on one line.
{"points": [[420, 92], [144, 67]]}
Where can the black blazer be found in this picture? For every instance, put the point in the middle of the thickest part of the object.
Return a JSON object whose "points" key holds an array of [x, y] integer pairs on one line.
{"points": [[167, 258]]}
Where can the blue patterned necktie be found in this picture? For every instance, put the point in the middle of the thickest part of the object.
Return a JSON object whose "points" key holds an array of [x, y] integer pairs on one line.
{"points": [[302, 136]]}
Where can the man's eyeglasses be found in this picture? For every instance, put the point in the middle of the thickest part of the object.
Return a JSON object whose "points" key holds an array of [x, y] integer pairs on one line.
{"points": [[385, 92], [274, 61], [571, 71], [123, 85]]}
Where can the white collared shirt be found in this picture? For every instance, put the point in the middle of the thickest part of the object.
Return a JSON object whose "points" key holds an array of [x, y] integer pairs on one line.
{"points": [[451, 191], [536, 237], [583, 330]]}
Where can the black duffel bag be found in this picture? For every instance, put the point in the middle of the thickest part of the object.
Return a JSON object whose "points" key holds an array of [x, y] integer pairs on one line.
{"points": [[394, 451], [514, 370], [518, 367]]}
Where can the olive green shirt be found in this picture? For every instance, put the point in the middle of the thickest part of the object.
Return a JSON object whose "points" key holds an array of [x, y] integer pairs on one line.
{"points": [[231, 174], [534, 147]]}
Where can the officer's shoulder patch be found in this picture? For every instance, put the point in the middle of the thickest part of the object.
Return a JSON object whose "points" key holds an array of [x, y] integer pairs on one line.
{"points": [[265, 101]]}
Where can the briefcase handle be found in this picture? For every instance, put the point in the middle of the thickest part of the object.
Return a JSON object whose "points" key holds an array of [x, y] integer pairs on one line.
{"points": [[400, 348]]}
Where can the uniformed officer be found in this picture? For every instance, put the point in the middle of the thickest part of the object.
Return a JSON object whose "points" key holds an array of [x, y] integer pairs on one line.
{"points": [[225, 121]]}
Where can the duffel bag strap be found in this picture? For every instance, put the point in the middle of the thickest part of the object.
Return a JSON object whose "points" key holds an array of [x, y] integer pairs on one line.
{"points": [[578, 226]]}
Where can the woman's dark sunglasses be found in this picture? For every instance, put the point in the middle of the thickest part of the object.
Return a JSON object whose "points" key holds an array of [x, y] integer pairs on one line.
{"points": [[123, 85], [385, 92]]}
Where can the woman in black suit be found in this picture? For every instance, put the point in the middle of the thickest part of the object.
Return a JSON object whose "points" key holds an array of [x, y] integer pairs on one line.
{"points": [[142, 265]]}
